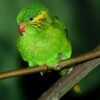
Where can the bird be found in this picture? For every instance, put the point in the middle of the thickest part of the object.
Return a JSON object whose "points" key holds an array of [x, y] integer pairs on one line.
{"points": [[43, 38]]}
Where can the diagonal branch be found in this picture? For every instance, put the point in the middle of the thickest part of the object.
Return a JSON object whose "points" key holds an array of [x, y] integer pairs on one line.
{"points": [[65, 83], [84, 57]]}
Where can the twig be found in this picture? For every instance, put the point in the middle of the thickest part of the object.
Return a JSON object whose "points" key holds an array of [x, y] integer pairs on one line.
{"points": [[23, 71], [90, 55], [81, 58], [65, 83]]}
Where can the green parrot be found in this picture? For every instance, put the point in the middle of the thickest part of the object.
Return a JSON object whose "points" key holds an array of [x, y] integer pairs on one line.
{"points": [[43, 38]]}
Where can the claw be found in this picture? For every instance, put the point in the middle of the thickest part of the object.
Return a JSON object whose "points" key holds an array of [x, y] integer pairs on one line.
{"points": [[41, 73], [70, 70]]}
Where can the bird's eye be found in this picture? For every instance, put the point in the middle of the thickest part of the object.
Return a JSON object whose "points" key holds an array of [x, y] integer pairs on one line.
{"points": [[30, 19]]}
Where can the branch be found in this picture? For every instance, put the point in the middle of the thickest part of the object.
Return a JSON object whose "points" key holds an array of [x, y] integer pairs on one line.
{"points": [[87, 56], [65, 83]]}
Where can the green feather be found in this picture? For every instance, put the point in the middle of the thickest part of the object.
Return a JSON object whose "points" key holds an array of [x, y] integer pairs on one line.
{"points": [[45, 43]]}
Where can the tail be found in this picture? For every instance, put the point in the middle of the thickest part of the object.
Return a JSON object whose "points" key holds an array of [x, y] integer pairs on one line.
{"points": [[65, 71]]}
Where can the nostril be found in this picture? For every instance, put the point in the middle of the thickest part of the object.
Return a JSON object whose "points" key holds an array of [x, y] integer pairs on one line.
{"points": [[21, 28]]}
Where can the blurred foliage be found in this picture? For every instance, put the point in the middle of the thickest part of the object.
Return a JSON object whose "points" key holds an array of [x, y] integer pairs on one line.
{"points": [[82, 19]]}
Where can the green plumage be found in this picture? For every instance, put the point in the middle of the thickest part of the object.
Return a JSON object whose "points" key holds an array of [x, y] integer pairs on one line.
{"points": [[44, 41]]}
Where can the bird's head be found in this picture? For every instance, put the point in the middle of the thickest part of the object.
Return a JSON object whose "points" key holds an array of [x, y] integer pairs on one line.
{"points": [[33, 17]]}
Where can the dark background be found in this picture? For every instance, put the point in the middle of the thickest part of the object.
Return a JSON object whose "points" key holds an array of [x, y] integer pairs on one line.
{"points": [[81, 18]]}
